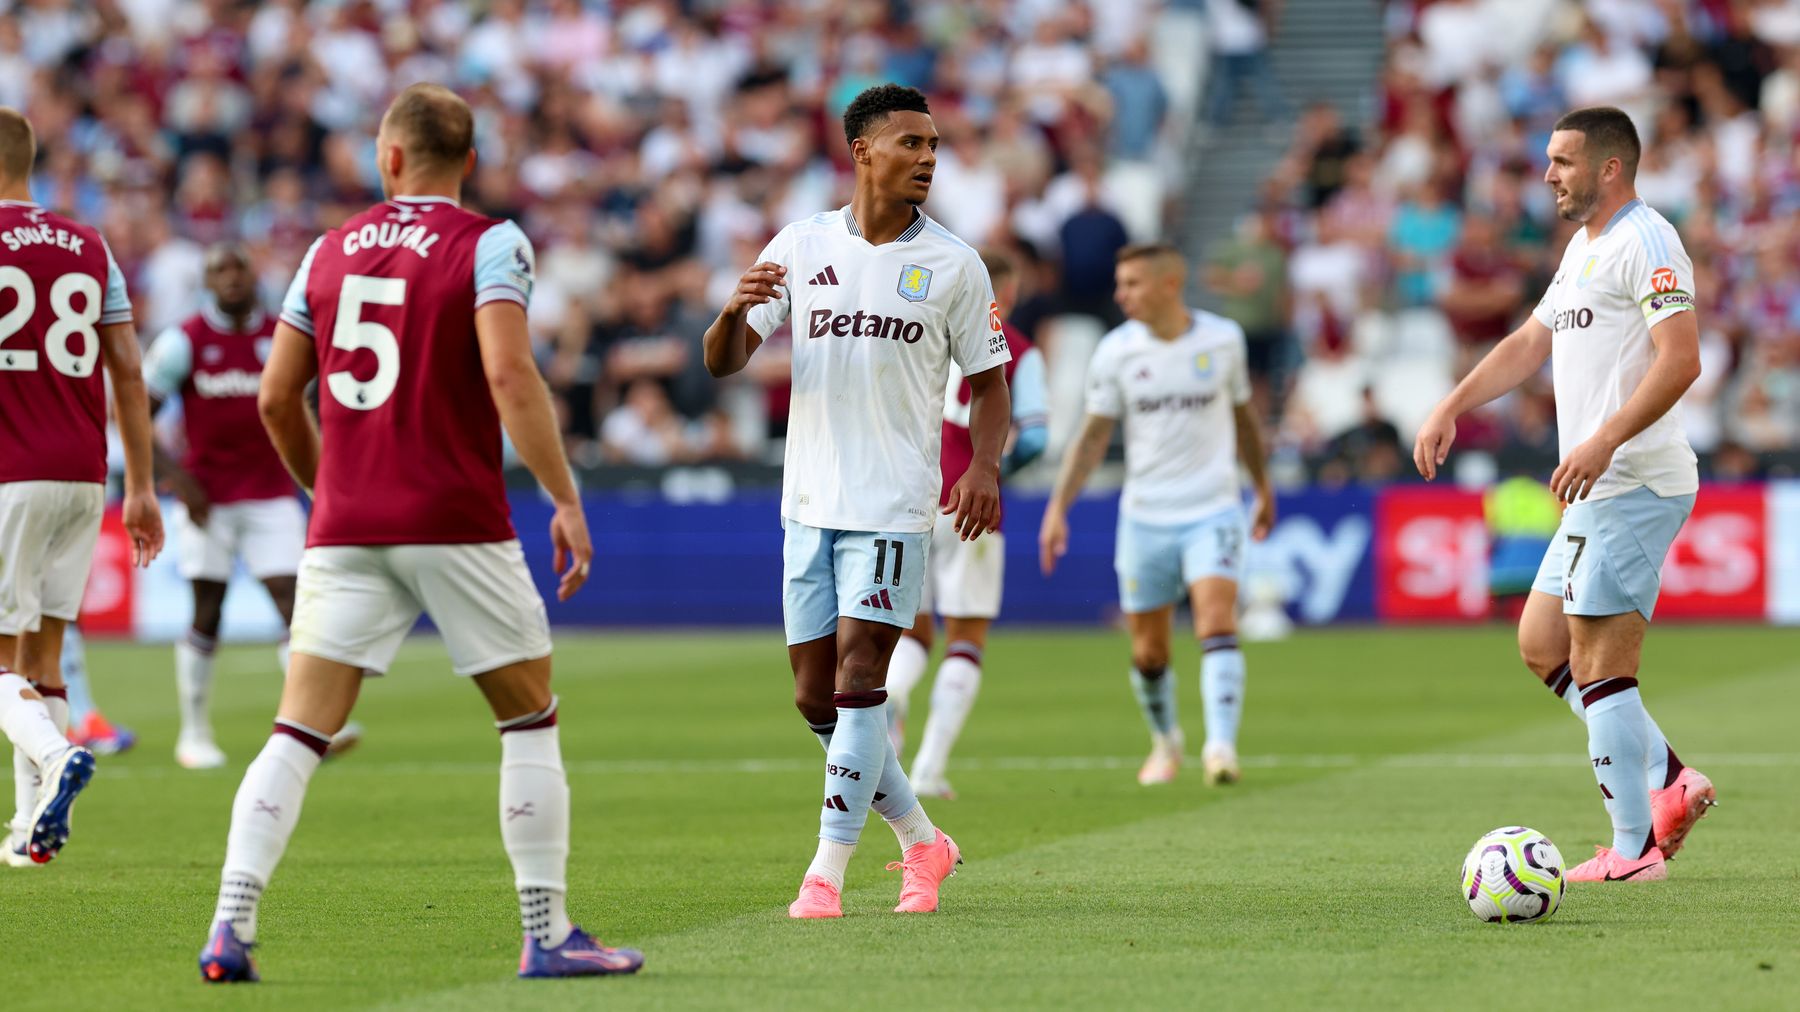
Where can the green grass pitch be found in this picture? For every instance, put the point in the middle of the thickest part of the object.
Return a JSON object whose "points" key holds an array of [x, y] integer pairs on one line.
{"points": [[1327, 879]]}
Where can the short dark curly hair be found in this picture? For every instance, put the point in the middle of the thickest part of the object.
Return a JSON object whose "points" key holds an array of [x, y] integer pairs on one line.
{"points": [[876, 103]]}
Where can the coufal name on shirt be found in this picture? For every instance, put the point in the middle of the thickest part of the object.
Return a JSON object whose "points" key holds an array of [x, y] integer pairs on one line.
{"points": [[228, 383], [21, 236], [864, 324], [1173, 402], [1572, 319], [388, 235]]}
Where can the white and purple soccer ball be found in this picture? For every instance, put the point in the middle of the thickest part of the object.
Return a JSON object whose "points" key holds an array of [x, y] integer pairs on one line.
{"points": [[1513, 875]]}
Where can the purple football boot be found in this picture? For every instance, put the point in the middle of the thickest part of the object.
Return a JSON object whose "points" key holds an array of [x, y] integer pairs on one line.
{"points": [[579, 955], [225, 960]]}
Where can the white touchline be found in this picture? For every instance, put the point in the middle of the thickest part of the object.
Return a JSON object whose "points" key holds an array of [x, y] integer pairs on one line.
{"points": [[353, 766]]}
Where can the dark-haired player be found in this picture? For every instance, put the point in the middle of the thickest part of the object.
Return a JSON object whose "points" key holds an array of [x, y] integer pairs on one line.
{"points": [[64, 318], [237, 499], [1179, 380], [883, 300], [412, 316], [1619, 328]]}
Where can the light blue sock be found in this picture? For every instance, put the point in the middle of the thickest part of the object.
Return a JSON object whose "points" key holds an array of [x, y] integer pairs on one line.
{"points": [[1663, 765], [74, 674], [1618, 729], [894, 797], [1222, 688], [1155, 692], [854, 765]]}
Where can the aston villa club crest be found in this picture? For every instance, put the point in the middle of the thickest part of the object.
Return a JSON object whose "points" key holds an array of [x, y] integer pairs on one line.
{"points": [[1587, 272], [1203, 365], [915, 282]]}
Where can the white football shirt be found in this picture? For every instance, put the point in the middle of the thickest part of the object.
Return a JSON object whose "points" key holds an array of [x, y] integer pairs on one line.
{"points": [[1607, 294], [875, 331], [1176, 399]]}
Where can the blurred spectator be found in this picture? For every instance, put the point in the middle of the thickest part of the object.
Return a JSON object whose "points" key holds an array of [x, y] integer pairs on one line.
{"points": [[1249, 272], [1238, 34], [1484, 298], [1139, 103]]}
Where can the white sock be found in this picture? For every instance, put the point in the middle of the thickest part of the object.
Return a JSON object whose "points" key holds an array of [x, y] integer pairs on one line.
{"points": [[26, 778], [193, 684], [905, 669], [831, 861], [913, 828], [25, 790], [953, 695], [262, 818], [534, 825], [27, 721]]}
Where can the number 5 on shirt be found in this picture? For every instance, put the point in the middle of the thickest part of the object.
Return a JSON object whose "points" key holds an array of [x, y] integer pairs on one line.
{"points": [[351, 332]]}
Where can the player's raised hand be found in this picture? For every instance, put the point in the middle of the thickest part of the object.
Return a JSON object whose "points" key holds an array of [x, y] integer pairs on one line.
{"points": [[143, 522], [975, 500], [761, 283], [1053, 540], [1433, 444], [574, 551], [1574, 478]]}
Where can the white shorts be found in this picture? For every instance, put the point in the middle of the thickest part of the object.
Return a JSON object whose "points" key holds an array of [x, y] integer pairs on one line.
{"points": [[268, 534], [48, 530], [355, 604], [963, 578]]}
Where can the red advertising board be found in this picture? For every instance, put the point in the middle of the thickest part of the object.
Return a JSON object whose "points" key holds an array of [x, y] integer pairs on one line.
{"points": [[1718, 566], [106, 607], [1431, 554]]}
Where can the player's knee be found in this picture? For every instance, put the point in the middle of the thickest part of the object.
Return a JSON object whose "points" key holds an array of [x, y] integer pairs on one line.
{"points": [[1150, 662], [1219, 622], [860, 670], [1543, 661], [815, 706]]}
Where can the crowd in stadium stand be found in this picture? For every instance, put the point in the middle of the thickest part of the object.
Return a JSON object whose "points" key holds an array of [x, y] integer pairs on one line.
{"points": [[650, 147], [1388, 256]]}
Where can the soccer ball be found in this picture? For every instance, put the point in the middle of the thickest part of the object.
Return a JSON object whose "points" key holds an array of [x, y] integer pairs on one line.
{"points": [[1513, 875]]}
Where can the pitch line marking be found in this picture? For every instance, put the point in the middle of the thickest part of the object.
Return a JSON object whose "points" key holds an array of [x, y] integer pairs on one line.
{"points": [[354, 765]]}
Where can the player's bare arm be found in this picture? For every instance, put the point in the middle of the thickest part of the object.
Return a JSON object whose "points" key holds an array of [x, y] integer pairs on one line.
{"points": [[729, 341], [1255, 460], [131, 408], [1675, 368], [529, 416], [975, 498], [169, 471], [282, 403], [1078, 464], [1516, 358]]}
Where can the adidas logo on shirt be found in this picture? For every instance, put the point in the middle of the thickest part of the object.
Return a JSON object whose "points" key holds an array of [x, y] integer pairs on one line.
{"points": [[828, 276]]}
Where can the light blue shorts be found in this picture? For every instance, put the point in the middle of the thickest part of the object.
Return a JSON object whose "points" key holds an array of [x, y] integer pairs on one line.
{"points": [[877, 577], [1156, 564], [1607, 556]]}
